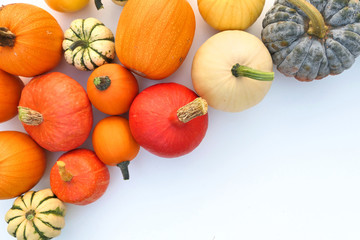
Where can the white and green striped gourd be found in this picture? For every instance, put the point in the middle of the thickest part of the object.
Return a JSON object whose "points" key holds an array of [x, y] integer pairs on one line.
{"points": [[36, 215], [88, 44]]}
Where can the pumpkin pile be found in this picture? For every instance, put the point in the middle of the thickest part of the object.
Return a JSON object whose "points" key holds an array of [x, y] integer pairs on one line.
{"points": [[231, 71]]}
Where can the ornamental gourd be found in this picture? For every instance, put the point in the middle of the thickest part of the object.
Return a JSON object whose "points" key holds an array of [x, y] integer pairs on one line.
{"points": [[231, 14], [314, 39], [232, 71], [153, 37], [36, 215], [30, 40], [88, 44]]}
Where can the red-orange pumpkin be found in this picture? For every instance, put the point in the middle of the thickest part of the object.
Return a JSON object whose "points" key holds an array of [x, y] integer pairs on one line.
{"points": [[22, 163], [30, 40], [153, 37], [10, 91], [56, 112]]}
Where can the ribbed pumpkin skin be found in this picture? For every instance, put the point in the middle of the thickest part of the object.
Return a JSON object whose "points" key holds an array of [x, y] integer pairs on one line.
{"points": [[22, 163], [38, 40], [65, 108], [153, 37], [231, 14], [305, 57]]}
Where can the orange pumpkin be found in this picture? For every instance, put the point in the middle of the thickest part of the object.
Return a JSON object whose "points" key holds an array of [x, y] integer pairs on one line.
{"points": [[30, 40], [22, 163], [153, 37], [114, 144], [112, 88], [10, 91]]}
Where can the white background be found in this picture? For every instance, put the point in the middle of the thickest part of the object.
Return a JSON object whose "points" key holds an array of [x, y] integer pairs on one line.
{"points": [[287, 168]]}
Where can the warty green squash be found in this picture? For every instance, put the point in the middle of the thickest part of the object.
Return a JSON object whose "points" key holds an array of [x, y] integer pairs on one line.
{"points": [[312, 39], [36, 215]]}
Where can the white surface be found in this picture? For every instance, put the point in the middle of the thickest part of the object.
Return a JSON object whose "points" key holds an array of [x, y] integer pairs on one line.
{"points": [[287, 168]]}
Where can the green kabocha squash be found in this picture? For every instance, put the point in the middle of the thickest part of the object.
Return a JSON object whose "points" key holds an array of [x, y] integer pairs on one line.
{"points": [[312, 39], [36, 215], [88, 44]]}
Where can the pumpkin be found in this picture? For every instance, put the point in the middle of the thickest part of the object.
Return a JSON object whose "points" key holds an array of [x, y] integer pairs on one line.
{"points": [[10, 91], [112, 88], [88, 44], [114, 144], [30, 40], [56, 112], [311, 40], [154, 41], [232, 71], [79, 177], [22, 163], [36, 215], [230, 14], [66, 5], [168, 119]]}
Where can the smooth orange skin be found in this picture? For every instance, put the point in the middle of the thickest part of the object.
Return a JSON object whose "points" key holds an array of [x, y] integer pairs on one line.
{"points": [[117, 98], [153, 37], [113, 142], [38, 42], [22, 163], [67, 5], [66, 110], [90, 177], [10, 92]]}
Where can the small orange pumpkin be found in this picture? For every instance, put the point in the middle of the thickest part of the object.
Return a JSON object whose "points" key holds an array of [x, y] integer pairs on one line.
{"points": [[114, 144], [22, 163], [30, 40], [112, 88], [153, 37], [10, 92]]}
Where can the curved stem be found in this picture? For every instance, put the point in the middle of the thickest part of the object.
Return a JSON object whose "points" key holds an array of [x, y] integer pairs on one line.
{"points": [[124, 169], [64, 174], [244, 71], [29, 116], [196, 108], [102, 83], [79, 43], [317, 24], [7, 38]]}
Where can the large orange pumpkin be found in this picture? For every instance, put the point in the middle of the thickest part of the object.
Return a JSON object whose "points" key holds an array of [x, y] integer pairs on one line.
{"points": [[10, 91], [30, 40], [153, 37], [22, 163]]}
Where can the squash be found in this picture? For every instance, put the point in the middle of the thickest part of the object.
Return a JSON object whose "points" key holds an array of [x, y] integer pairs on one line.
{"points": [[56, 112], [30, 40], [22, 163], [114, 144], [79, 177], [311, 40], [112, 88], [120, 2], [168, 119], [66, 5], [232, 71], [36, 215], [231, 14], [154, 41], [88, 44], [10, 91]]}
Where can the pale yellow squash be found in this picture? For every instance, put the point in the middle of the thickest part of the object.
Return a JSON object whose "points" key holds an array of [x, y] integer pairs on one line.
{"points": [[232, 71], [230, 14]]}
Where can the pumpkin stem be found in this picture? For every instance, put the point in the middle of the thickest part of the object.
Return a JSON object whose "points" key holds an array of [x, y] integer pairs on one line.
{"points": [[124, 169], [317, 25], [79, 43], [29, 116], [98, 4], [29, 215], [102, 82], [244, 71], [7, 38], [64, 174], [196, 108]]}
